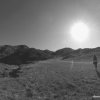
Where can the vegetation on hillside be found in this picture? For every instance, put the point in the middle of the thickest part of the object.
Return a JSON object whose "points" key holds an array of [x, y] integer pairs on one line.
{"points": [[22, 54]]}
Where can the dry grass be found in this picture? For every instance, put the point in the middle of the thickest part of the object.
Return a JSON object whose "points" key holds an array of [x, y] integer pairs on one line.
{"points": [[51, 80]]}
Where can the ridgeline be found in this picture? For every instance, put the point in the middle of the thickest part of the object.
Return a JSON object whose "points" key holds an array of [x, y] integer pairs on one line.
{"points": [[22, 54]]}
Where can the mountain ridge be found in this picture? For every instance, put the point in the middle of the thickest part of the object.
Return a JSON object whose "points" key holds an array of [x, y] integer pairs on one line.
{"points": [[22, 54]]}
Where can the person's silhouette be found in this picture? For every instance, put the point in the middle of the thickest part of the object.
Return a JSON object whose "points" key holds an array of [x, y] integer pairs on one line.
{"points": [[98, 73], [95, 61]]}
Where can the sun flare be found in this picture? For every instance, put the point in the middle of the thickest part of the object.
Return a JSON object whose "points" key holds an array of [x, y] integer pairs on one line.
{"points": [[79, 32]]}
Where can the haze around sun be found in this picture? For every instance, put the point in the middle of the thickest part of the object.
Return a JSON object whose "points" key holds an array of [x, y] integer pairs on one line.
{"points": [[50, 24], [79, 32]]}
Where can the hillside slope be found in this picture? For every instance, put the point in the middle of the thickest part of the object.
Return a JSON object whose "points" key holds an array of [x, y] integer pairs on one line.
{"points": [[22, 54]]}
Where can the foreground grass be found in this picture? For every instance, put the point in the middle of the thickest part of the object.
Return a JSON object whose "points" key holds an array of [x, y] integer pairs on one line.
{"points": [[51, 80]]}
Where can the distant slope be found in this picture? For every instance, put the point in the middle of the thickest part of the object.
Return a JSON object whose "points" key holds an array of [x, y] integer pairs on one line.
{"points": [[86, 53], [22, 54], [63, 52]]}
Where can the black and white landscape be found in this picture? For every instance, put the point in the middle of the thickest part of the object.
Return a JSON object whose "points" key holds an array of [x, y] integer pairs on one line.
{"points": [[49, 49], [33, 74]]}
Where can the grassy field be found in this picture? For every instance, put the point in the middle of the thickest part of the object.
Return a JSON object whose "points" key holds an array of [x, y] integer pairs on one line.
{"points": [[51, 80]]}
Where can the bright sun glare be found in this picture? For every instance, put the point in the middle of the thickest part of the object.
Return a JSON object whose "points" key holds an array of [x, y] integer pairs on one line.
{"points": [[79, 32]]}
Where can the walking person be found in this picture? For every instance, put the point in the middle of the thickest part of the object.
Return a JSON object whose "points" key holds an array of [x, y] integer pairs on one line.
{"points": [[95, 61]]}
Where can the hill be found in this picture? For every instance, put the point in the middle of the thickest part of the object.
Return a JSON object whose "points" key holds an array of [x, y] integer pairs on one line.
{"points": [[83, 54], [22, 54], [64, 51]]}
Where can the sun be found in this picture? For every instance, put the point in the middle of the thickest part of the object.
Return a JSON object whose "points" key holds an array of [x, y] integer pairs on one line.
{"points": [[79, 31]]}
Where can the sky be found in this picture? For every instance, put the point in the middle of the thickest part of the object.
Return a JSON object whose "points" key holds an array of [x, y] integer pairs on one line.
{"points": [[45, 24]]}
